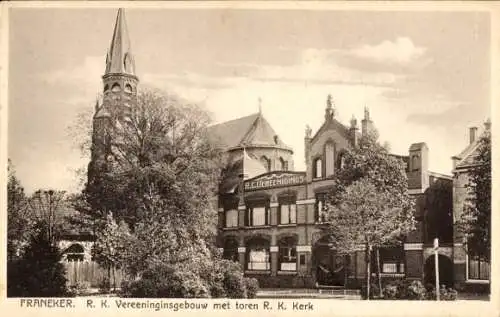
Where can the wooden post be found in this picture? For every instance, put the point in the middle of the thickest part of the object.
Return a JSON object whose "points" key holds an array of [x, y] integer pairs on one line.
{"points": [[436, 262]]}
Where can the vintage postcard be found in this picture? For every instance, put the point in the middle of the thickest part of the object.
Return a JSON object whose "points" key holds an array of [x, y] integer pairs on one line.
{"points": [[314, 158]]}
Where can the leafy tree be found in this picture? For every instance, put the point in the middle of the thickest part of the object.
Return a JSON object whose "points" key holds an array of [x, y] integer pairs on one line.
{"points": [[159, 175], [111, 246], [39, 273], [18, 219], [475, 220], [369, 203]]}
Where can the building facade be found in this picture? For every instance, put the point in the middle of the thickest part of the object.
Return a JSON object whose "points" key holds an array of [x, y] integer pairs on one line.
{"points": [[470, 272], [271, 217]]}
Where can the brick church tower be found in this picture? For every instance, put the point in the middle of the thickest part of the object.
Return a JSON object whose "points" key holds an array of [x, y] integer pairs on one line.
{"points": [[119, 95]]}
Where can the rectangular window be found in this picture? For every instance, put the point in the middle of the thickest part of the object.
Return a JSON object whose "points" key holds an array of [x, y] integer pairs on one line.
{"points": [[479, 269], [320, 206], [288, 213], [231, 218], [259, 260], [391, 260], [288, 259], [258, 216], [302, 259]]}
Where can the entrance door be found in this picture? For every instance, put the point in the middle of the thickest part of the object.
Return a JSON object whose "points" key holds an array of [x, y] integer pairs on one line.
{"points": [[329, 267]]}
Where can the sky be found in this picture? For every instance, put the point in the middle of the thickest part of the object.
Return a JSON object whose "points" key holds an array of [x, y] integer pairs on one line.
{"points": [[425, 76]]}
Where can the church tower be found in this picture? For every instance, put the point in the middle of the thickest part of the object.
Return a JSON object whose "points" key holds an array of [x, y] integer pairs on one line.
{"points": [[119, 95]]}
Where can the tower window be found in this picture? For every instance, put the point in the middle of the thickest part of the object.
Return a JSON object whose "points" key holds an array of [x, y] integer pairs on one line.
{"points": [[128, 88], [116, 87], [106, 88]]}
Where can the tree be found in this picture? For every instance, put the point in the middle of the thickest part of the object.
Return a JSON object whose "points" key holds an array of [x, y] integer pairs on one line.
{"points": [[18, 220], [46, 207], [475, 220], [39, 273], [369, 203], [159, 175], [110, 248]]}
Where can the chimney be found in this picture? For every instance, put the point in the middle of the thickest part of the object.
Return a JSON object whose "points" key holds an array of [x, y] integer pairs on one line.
{"points": [[366, 123], [472, 134], [353, 131], [307, 144], [487, 124]]}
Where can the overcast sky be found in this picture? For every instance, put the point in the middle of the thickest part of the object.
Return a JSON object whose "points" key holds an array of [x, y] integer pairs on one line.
{"points": [[425, 76]]}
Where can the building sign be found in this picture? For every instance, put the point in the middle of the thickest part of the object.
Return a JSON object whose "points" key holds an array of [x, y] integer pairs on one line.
{"points": [[275, 179]]}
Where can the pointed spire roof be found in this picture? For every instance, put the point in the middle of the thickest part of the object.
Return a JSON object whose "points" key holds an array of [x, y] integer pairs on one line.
{"points": [[119, 59]]}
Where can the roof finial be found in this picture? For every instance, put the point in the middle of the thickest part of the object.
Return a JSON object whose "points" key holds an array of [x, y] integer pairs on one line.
{"points": [[367, 113], [260, 105], [329, 111]]}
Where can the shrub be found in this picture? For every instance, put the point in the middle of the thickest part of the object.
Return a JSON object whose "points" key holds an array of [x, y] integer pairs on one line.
{"points": [[447, 294], [80, 288], [391, 292], [413, 290], [252, 286], [166, 281], [39, 273], [234, 285], [104, 286]]}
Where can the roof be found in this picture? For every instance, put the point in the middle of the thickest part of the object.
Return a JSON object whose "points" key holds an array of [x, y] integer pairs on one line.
{"points": [[252, 130], [468, 155], [119, 59], [336, 125]]}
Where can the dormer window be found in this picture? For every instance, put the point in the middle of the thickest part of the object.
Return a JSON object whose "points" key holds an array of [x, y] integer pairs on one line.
{"points": [[282, 164], [318, 168], [266, 163]]}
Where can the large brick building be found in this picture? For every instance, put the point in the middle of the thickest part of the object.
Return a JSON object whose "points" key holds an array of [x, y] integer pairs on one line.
{"points": [[270, 216], [470, 272]]}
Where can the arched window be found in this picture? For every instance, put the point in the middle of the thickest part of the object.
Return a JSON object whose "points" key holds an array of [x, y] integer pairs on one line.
{"points": [[317, 168], [231, 218], [266, 162], [116, 88], [106, 87], [230, 249], [415, 162], [74, 252], [258, 254], [330, 158], [288, 254], [128, 88]]}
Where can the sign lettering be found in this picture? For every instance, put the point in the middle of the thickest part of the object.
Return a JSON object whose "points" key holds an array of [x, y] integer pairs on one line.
{"points": [[275, 180]]}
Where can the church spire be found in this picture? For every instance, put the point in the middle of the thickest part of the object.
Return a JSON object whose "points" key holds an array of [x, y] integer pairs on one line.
{"points": [[119, 59]]}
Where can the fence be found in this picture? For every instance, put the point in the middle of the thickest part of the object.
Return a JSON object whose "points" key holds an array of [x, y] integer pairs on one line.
{"points": [[78, 272]]}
